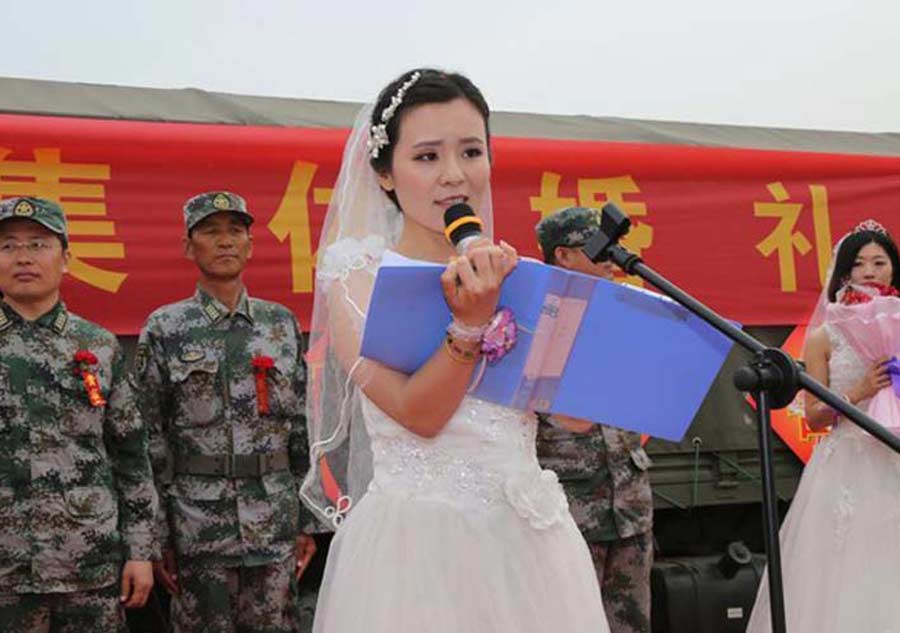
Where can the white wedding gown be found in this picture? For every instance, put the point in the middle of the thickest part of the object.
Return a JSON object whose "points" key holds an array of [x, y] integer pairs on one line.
{"points": [[462, 533], [841, 538]]}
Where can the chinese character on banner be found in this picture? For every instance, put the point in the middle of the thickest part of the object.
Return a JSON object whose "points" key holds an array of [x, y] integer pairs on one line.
{"points": [[291, 220], [47, 176], [806, 434], [785, 239], [595, 192]]}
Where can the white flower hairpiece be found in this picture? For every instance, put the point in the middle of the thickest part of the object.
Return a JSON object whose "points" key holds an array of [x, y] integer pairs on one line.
{"points": [[378, 136], [870, 225]]}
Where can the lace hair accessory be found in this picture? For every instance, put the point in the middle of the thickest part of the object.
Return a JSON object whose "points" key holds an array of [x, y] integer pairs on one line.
{"points": [[870, 225], [378, 136]]}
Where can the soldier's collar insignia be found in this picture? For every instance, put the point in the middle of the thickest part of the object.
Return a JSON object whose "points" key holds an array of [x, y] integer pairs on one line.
{"points": [[221, 202], [5, 321], [192, 355], [212, 312], [59, 322], [641, 459], [23, 209], [244, 307]]}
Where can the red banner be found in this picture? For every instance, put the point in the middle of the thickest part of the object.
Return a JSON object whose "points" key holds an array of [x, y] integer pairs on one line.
{"points": [[748, 232]]}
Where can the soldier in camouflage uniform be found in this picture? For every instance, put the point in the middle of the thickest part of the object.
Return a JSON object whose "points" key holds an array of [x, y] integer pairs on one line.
{"points": [[603, 469], [221, 380], [76, 492]]}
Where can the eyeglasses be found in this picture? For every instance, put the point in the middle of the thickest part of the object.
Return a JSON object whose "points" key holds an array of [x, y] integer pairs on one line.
{"points": [[33, 247]]}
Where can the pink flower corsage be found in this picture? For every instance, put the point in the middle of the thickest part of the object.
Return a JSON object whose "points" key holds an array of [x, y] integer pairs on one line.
{"points": [[500, 336]]}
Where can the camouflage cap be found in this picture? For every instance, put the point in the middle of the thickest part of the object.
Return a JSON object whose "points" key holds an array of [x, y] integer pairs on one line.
{"points": [[572, 226], [45, 212], [205, 204]]}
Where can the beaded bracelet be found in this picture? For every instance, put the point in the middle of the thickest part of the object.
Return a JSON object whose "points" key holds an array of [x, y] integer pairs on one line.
{"points": [[468, 333], [458, 354]]}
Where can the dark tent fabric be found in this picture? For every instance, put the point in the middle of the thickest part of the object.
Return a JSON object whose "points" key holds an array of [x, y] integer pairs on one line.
{"points": [[28, 96]]}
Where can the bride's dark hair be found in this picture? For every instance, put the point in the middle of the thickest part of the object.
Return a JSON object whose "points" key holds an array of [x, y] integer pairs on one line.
{"points": [[432, 86], [849, 250]]}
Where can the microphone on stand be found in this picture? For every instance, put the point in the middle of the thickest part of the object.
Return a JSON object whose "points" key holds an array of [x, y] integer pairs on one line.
{"points": [[462, 226]]}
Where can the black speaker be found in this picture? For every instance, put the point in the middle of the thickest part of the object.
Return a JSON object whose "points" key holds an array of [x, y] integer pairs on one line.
{"points": [[705, 594]]}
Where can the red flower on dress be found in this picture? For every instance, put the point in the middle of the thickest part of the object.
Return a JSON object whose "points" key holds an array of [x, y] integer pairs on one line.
{"points": [[84, 360], [261, 367]]}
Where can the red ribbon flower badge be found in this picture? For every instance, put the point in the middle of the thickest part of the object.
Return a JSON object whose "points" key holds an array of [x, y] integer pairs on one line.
{"points": [[84, 360], [261, 367]]}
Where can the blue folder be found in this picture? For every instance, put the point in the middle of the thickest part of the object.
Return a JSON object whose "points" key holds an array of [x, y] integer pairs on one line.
{"points": [[638, 360]]}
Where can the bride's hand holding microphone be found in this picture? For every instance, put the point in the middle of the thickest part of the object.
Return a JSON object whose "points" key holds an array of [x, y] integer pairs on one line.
{"points": [[472, 281]]}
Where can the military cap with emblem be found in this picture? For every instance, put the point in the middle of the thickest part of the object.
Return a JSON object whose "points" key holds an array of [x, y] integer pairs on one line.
{"points": [[572, 226], [45, 212], [206, 204]]}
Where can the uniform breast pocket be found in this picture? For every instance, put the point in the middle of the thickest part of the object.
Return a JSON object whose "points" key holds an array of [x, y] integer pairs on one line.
{"points": [[79, 415], [283, 399], [198, 392], [572, 456]]}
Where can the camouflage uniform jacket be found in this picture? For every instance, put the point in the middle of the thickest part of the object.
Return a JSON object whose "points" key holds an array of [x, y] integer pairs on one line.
{"points": [[604, 473], [198, 394], [76, 490]]}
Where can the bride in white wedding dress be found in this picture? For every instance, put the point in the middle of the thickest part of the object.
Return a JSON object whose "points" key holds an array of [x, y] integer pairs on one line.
{"points": [[841, 538], [444, 520]]}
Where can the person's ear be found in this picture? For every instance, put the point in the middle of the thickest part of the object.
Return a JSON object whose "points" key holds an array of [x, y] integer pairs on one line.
{"points": [[386, 181], [563, 256], [188, 247]]}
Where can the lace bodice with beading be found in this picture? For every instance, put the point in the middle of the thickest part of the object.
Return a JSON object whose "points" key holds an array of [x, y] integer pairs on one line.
{"points": [[484, 456], [845, 369]]}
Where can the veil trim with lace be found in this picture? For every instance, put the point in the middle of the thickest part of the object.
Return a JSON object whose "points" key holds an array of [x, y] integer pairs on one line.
{"points": [[360, 224]]}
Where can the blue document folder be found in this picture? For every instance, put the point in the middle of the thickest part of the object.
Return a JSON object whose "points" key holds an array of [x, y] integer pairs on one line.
{"points": [[587, 348]]}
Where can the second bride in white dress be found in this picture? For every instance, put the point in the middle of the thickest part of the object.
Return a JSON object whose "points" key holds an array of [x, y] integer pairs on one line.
{"points": [[840, 541]]}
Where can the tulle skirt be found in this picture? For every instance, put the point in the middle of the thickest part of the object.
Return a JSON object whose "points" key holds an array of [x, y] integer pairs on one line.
{"points": [[399, 565], [841, 542]]}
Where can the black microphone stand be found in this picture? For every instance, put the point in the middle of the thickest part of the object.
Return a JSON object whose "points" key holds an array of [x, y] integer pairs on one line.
{"points": [[772, 377]]}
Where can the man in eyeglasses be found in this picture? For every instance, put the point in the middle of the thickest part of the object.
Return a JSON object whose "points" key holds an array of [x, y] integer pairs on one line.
{"points": [[603, 469], [77, 501]]}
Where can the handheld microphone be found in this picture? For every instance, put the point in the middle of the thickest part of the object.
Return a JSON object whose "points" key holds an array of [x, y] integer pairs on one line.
{"points": [[462, 226]]}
